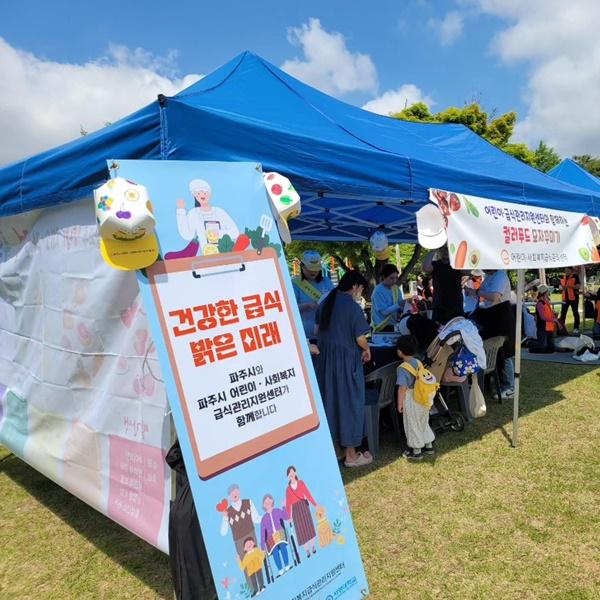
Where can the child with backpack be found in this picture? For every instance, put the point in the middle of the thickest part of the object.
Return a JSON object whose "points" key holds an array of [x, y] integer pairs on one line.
{"points": [[416, 390]]}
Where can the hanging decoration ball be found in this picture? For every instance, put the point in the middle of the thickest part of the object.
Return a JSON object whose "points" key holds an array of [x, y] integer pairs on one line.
{"points": [[380, 245]]}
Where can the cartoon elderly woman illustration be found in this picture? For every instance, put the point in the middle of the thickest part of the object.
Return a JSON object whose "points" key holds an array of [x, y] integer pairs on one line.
{"points": [[204, 223]]}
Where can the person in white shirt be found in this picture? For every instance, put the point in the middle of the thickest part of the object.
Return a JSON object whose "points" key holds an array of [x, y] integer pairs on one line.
{"points": [[495, 289], [208, 224]]}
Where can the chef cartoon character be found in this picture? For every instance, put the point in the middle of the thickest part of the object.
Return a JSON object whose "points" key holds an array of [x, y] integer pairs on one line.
{"points": [[205, 223]]}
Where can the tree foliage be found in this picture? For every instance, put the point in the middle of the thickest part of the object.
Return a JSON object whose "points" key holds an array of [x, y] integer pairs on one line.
{"points": [[497, 131], [589, 163], [359, 255]]}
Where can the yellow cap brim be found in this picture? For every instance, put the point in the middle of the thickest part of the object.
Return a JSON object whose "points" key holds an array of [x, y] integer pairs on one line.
{"points": [[130, 255]]}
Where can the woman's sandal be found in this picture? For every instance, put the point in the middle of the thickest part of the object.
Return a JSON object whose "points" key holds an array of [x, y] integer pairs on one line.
{"points": [[361, 460]]}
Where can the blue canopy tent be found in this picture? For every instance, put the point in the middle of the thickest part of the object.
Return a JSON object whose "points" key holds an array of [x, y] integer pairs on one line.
{"points": [[571, 172], [356, 171]]}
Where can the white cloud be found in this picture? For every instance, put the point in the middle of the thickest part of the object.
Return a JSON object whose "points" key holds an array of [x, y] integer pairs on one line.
{"points": [[396, 100], [448, 29], [327, 63], [560, 42], [45, 103]]}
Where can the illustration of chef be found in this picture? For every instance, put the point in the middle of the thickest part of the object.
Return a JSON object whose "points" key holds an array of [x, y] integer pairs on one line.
{"points": [[204, 223]]}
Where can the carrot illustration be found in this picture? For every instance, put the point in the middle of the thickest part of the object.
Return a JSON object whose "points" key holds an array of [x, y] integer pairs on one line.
{"points": [[241, 243], [461, 255]]}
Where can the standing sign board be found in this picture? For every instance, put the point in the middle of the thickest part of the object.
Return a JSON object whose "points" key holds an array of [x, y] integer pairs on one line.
{"points": [[490, 234], [239, 378]]}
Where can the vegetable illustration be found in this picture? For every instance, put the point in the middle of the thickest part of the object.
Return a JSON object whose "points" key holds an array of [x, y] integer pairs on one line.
{"points": [[225, 244], [189, 251], [461, 255], [584, 253], [260, 241], [444, 206], [595, 254], [241, 243], [471, 208], [453, 202], [474, 258]]}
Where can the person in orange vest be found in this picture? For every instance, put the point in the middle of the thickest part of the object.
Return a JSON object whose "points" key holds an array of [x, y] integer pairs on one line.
{"points": [[596, 299], [570, 286], [546, 323]]}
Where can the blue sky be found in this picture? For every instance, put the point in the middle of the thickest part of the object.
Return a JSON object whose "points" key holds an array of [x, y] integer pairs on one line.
{"points": [[447, 52]]}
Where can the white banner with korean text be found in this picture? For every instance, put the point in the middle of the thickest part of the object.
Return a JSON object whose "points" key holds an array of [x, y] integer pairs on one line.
{"points": [[489, 234]]}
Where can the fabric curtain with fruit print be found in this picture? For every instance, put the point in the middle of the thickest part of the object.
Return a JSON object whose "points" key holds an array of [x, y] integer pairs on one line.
{"points": [[81, 393]]}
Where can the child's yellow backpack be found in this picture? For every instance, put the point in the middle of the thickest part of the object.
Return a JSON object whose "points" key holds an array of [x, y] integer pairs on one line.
{"points": [[426, 385]]}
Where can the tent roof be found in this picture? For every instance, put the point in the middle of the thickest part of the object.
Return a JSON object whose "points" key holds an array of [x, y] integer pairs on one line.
{"points": [[355, 170], [571, 172]]}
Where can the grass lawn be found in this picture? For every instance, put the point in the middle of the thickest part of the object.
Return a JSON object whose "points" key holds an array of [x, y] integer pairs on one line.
{"points": [[482, 520]]}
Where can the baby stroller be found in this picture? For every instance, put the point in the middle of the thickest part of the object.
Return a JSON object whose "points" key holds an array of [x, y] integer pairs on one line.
{"points": [[438, 358]]}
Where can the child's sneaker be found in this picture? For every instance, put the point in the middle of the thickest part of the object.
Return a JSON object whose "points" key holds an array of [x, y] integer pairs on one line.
{"points": [[410, 455], [428, 451]]}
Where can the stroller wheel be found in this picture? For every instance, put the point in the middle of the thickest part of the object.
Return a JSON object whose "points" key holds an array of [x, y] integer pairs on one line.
{"points": [[457, 423]]}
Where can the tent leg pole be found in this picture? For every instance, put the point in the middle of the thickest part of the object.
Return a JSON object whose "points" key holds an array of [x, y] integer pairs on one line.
{"points": [[519, 321]]}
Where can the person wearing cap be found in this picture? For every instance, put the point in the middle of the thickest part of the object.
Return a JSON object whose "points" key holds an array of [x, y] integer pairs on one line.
{"points": [[447, 286], [570, 286], [310, 287], [204, 223], [495, 317], [546, 323], [387, 303], [473, 283]]}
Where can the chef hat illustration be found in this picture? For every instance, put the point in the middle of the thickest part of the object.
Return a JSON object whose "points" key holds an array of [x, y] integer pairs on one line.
{"points": [[380, 245], [126, 225], [285, 202]]}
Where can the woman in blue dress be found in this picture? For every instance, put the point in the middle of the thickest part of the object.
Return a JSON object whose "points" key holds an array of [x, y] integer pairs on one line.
{"points": [[341, 335]]}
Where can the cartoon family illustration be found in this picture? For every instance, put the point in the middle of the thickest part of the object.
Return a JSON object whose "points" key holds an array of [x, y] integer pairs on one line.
{"points": [[283, 531]]}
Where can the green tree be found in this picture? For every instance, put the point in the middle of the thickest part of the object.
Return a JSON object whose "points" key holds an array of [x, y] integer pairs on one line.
{"points": [[419, 111], [520, 151], [470, 116], [545, 158], [589, 163], [498, 131], [360, 256]]}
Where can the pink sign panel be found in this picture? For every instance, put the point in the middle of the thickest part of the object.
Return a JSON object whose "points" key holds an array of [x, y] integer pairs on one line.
{"points": [[137, 483]]}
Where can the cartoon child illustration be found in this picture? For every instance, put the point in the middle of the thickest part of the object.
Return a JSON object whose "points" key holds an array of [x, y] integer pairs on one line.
{"points": [[273, 537], [206, 223], [240, 516], [297, 498], [252, 565], [324, 532]]}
